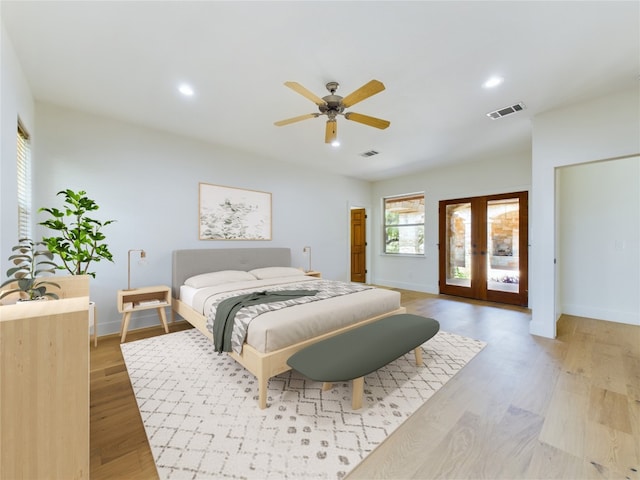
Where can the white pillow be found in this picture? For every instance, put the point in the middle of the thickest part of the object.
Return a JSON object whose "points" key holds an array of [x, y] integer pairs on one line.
{"points": [[276, 272], [218, 278]]}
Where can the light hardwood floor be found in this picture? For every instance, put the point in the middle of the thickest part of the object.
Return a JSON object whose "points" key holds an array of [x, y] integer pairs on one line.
{"points": [[525, 407]]}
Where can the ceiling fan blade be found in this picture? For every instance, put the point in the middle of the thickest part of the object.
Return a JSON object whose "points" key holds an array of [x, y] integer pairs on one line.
{"points": [[295, 119], [367, 120], [305, 93], [331, 132], [365, 91]]}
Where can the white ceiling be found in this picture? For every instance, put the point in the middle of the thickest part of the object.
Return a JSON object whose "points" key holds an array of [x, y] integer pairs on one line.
{"points": [[125, 59]]}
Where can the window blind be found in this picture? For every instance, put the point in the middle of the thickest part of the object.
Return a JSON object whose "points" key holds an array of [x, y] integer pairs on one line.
{"points": [[24, 183]]}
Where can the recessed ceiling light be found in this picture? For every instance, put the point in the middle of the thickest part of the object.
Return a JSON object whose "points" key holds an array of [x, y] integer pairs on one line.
{"points": [[493, 82], [335, 143], [186, 90]]}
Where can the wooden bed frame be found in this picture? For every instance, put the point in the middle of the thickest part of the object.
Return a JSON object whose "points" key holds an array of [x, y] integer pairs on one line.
{"points": [[187, 263]]}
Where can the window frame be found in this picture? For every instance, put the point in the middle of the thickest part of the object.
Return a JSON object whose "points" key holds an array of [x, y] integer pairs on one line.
{"points": [[385, 225]]}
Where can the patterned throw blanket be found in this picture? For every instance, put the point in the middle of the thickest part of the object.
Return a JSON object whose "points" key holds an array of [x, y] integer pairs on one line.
{"points": [[243, 317], [227, 309]]}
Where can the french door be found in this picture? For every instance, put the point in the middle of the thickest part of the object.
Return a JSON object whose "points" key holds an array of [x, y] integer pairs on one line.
{"points": [[483, 248]]}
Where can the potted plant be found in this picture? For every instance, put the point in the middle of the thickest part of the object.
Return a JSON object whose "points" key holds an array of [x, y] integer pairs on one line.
{"points": [[31, 261], [80, 241]]}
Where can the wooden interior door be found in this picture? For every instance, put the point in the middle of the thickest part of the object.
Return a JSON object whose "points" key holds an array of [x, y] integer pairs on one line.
{"points": [[358, 245], [484, 248]]}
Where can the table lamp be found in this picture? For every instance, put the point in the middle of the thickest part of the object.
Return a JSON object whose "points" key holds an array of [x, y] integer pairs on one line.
{"points": [[143, 254]]}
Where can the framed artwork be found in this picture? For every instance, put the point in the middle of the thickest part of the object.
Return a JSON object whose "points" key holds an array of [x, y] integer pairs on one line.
{"points": [[227, 213]]}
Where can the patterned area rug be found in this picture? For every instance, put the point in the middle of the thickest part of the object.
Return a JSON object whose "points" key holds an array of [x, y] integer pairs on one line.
{"points": [[202, 419]]}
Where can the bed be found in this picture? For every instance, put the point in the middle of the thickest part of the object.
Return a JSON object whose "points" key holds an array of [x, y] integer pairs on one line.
{"points": [[200, 277]]}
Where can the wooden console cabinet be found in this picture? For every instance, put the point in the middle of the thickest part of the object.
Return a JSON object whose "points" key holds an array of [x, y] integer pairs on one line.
{"points": [[44, 388]]}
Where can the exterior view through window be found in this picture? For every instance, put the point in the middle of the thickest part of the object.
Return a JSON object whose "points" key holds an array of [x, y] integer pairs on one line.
{"points": [[404, 224]]}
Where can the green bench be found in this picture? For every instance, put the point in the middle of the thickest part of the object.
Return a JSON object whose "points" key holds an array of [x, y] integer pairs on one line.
{"points": [[358, 352]]}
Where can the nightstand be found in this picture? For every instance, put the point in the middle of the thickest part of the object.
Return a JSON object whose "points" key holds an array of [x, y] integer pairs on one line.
{"points": [[313, 273], [139, 299]]}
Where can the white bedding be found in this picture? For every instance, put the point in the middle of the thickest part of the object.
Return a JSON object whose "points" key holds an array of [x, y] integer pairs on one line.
{"points": [[274, 330]]}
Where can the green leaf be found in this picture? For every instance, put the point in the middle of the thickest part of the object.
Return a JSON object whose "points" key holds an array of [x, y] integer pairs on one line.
{"points": [[39, 272], [25, 284], [12, 271], [48, 263]]}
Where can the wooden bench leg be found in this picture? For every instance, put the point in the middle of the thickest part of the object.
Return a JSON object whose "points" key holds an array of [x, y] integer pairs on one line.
{"points": [[418, 353], [357, 393]]}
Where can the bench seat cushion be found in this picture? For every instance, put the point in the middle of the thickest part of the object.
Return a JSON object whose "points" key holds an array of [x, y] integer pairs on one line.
{"points": [[363, 350]]}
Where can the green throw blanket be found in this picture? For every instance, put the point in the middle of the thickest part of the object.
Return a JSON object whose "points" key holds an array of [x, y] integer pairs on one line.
{"points": [[227, 309]]}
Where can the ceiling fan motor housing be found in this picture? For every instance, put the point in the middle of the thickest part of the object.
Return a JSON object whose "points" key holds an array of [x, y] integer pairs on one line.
{"points": [[333, 105]]}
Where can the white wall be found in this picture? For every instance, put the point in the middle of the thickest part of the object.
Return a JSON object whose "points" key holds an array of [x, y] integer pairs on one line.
{"points": [[599, 231], [148, 180], [16, 101], [600, 129], [488, 176]]}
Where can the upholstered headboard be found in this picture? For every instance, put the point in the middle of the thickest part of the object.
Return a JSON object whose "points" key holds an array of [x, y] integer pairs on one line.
{"points": [[187, 263]]}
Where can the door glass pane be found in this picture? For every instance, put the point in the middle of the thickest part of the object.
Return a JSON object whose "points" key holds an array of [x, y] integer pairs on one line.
{"points": [[503, 240], [458, 244]]}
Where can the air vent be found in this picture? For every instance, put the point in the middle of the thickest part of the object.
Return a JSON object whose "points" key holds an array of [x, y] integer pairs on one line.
{"points": [[370, 153], [503, 112]]}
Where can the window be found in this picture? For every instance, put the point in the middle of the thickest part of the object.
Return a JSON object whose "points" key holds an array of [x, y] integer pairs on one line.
{"points": [[404, 224], [24, 183]]}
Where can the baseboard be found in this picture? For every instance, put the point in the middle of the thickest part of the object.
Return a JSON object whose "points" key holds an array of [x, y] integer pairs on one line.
{"points": [[542, 329], [609, 315], [145, 324], [415, 287], [141, 329]]}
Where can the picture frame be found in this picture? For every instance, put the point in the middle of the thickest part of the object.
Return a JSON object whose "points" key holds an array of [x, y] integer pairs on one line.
{"points": [[230, 213]]}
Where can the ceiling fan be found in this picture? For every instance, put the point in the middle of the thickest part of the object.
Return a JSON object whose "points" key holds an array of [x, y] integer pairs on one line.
{"points": [[333, 105]]}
